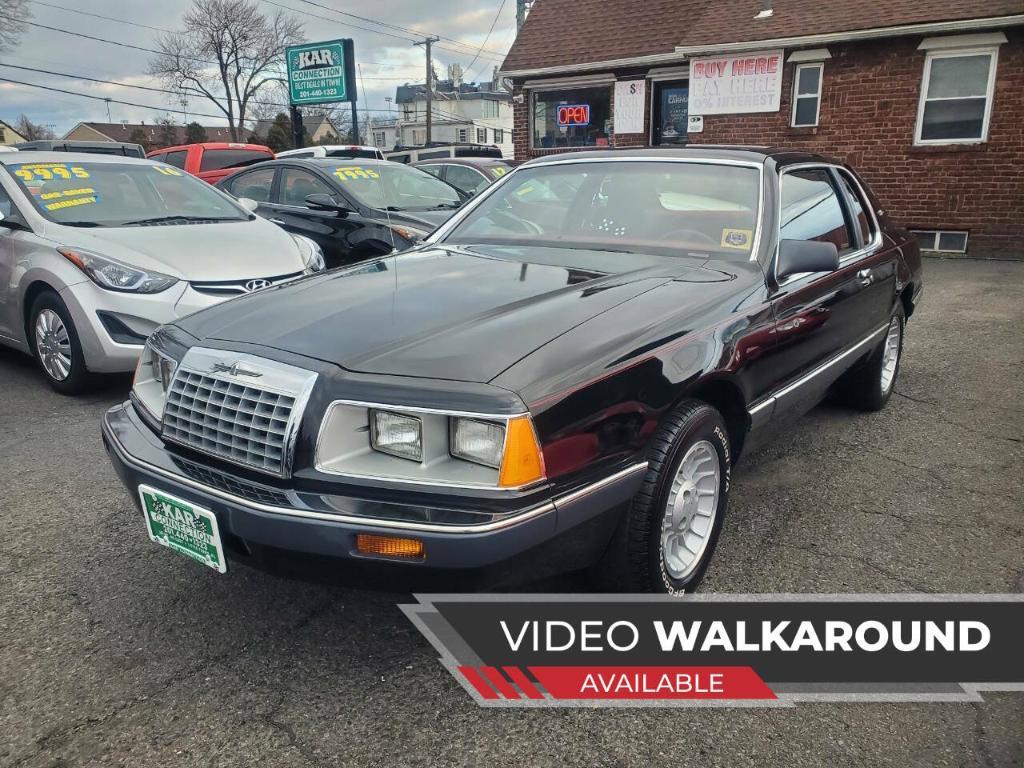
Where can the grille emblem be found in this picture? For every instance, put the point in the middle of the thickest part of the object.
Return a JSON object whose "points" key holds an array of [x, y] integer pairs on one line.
{"points": [[256, 285], [235, 369]]}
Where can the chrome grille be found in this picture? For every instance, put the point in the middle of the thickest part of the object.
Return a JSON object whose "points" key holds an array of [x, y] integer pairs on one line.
{"points": [[239, 408]]}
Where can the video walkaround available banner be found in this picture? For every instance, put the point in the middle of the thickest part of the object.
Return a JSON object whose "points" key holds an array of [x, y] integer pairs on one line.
{"points": [[725, 650]]}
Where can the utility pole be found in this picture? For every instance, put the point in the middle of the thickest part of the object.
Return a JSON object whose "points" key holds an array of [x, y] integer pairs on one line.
{"points": [[430, 83]]}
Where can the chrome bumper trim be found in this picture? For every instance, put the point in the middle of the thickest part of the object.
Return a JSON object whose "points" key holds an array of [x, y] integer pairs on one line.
{"points": [[397, 525]]}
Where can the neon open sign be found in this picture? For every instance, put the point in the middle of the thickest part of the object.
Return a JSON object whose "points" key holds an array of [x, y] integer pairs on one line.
{"points": [[574, 114]]}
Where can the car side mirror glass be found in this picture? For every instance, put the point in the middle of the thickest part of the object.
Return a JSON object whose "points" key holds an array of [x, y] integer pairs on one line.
{"points": [[249, 204], [322, 202], [797, 256]]}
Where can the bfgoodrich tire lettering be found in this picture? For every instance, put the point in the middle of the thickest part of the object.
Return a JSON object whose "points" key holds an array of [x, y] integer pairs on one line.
{"points": [[635, 561]]}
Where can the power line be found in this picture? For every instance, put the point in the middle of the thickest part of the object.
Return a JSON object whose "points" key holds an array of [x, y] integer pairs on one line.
{"points": [[408, 30], [100, 16], [501, 7]]}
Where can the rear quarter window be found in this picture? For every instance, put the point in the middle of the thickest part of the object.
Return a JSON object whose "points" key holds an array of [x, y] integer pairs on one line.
{"points": [[219, 159]]}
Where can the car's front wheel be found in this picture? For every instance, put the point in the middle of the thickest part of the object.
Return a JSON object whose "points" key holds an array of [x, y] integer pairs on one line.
{"points": [[56, 346], [667, 537]]}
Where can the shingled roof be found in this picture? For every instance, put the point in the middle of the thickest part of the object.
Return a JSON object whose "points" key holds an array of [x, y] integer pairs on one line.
{"points": [[562, 33]]}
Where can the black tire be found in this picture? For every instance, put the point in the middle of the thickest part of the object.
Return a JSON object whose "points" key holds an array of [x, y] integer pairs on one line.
{"points": [[634, 560], [78, 379], [861, 387]]}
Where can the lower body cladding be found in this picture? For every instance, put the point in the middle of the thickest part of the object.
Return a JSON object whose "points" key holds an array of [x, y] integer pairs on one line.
{"points": [[556, 534]]}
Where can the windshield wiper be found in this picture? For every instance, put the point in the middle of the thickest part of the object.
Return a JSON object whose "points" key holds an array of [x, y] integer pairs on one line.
{"points": [[80, 224], [182, 219], [446, 206]]}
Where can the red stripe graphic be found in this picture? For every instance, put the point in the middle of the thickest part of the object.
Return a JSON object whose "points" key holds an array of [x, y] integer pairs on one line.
{"points": [[652, 682], [478, 682], [499, 682], [523, 682]]}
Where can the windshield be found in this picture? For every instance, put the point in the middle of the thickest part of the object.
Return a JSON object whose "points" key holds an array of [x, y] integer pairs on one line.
{"points": [[121, 194], [663, 208], [395, 187]]}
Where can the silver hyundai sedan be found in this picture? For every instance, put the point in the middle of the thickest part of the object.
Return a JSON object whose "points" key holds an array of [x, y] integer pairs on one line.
{"points": [[96, 252]]}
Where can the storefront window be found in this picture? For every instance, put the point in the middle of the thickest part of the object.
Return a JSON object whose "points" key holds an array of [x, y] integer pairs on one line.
{"points": [[575, 117], [671, 109]]}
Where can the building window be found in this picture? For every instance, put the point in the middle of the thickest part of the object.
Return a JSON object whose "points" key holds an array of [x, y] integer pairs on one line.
{"points": [[956, 96], [407, 111], [499, 136], [463, 133], [947, 241], [807, 94], [481, 135], [576, 117], [490, 108], [378, 138], [419, 137]]}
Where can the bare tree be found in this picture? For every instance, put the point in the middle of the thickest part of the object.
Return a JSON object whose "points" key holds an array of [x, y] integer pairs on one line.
{"points": [[226, 52], [13, 15], [33, 131]]}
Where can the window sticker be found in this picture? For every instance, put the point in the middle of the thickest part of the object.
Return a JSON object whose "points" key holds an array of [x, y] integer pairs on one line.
{"points": [[354, 173], [67, 193], [736, 238], [56, 206], [499, 171], [46, 171], [167, 170]]}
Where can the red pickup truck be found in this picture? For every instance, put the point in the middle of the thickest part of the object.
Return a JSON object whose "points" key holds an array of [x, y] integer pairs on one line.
{"points": [[212, 161]]}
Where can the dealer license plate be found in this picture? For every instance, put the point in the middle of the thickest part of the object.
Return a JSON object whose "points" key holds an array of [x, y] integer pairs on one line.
{"points": [[190, 530]]}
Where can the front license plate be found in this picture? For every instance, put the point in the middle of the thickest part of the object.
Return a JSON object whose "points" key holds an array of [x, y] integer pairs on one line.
{"points": [[183, 527]]}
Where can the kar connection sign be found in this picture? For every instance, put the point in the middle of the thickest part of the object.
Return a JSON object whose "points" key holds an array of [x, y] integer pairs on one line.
{"points": [[320, 73]]}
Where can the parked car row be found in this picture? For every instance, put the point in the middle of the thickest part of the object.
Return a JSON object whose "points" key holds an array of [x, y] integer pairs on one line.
{"points": [[561, 375]]}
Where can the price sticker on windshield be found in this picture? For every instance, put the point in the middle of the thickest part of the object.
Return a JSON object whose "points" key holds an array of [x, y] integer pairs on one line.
{"points": [[167, 170], [72, 203], [49, 171], [353, 172], [499, 171]]}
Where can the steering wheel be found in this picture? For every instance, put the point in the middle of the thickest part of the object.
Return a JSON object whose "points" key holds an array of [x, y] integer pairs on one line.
{"points": [[692, 235], [515, 224]]}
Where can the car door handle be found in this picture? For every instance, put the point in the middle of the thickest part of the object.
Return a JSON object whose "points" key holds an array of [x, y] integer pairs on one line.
{"points": [[866, 276]]}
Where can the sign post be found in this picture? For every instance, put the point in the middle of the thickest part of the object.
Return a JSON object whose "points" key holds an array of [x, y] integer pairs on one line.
{"points": [[322, 73]]}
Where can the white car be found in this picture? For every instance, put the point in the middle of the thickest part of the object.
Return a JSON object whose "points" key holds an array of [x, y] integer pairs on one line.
{"points": [[350, 151], [98, 251]]}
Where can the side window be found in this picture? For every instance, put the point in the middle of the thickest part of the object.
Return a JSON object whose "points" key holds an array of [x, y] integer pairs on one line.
{"points": [[858, 208], [811, 210], [177, 159], [465, 179], [162, 158], [433, 170], [296, 184], [255, 185], [219, 159], [6, 206]]}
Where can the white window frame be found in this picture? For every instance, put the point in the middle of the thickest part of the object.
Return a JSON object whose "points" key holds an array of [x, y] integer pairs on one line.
{"points": [[993, 52], [820, 66], [481, 135]]}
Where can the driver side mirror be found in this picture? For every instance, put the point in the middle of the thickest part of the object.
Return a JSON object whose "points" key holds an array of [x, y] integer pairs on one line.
{"points": [[322, 202], [10, 219], [249, 204], [797, 256]]}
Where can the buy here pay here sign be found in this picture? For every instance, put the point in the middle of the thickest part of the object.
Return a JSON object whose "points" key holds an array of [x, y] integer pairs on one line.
{"points": [[728, 85]]}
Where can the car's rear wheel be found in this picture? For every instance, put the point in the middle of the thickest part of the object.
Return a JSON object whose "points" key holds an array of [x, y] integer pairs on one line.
{"points": [[56, 345], [870, 385], [669, 533]]}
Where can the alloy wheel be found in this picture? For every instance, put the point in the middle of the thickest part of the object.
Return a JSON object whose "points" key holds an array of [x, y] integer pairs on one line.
{"points": [[53, 345], [690, 510], [891, 353]]}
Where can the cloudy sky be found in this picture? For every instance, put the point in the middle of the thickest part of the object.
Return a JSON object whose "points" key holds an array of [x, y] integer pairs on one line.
{"points": [[386, 55]]}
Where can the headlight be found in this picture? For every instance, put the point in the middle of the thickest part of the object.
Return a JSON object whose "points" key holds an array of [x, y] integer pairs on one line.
{"points": [[397, 434], [481, 442], [312, 254], [114, 276], [153, 376]]}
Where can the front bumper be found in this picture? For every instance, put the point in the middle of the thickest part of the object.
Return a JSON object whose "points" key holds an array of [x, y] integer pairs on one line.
{"points": [[327, 524]]}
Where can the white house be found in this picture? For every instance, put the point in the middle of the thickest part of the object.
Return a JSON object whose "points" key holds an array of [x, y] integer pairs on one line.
{"points": [[478, 113]]}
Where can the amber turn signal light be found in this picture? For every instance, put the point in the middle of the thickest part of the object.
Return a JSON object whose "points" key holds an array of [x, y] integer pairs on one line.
{"points": [[390, 546], [523, 462]]}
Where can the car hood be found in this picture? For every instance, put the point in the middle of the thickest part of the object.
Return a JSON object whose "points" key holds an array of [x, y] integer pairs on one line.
{"points": [[194, 252], [438, 312]]}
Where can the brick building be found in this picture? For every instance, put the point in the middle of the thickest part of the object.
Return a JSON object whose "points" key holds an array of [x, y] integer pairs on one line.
{"points": [[924, 97]]}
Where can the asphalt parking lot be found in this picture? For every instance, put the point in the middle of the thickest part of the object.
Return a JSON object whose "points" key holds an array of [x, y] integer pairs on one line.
{"points": [[117, 652]]}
